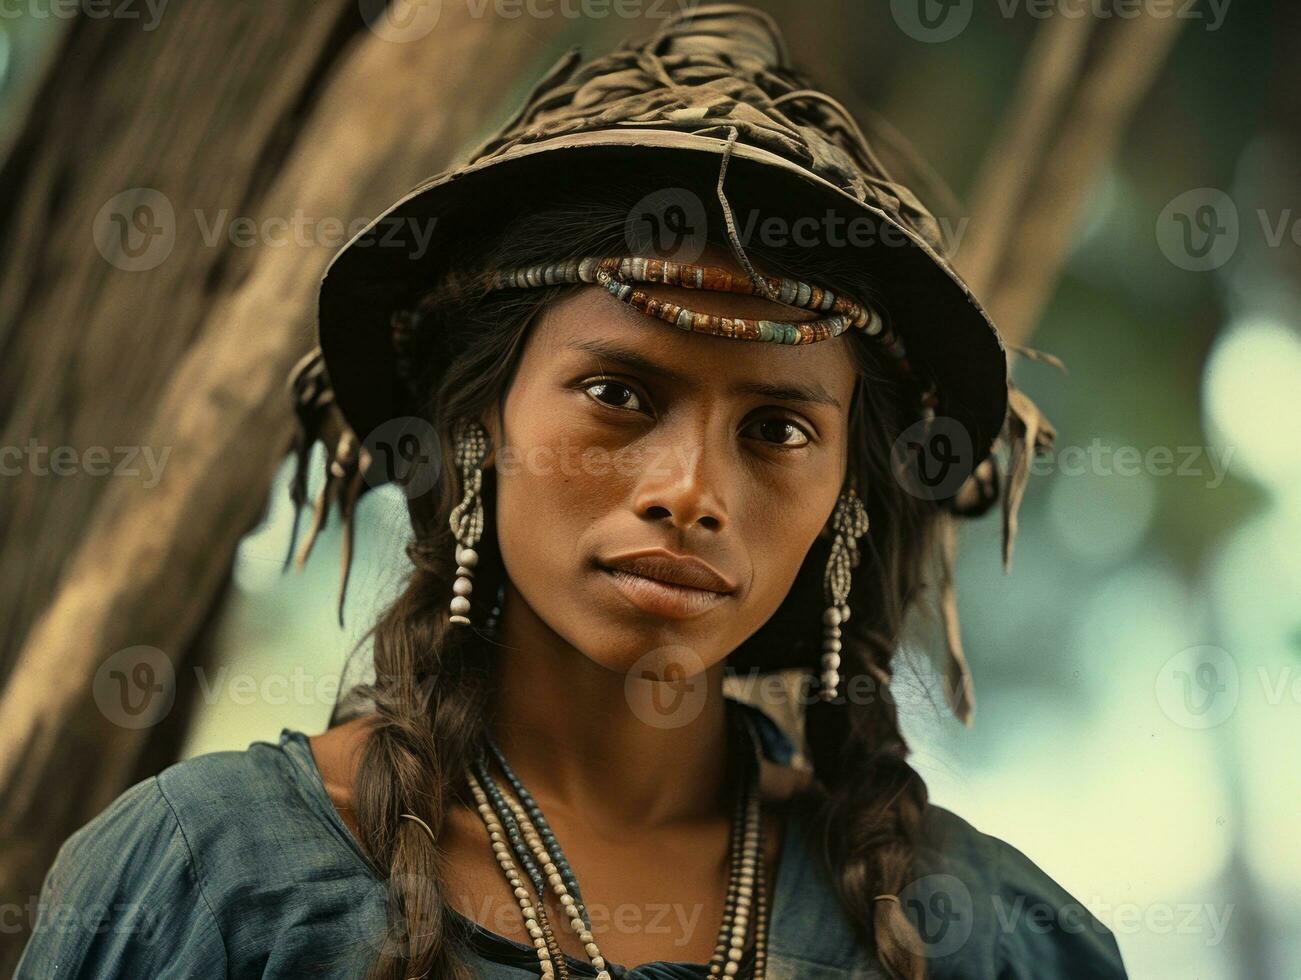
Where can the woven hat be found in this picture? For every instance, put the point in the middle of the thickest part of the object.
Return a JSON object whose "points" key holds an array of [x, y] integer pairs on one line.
{"points": [[711, 98], [713, 81]]}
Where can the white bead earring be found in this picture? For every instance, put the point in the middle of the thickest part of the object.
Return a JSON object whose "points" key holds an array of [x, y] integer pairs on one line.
{"points": [[471, 448], [849, 521]]}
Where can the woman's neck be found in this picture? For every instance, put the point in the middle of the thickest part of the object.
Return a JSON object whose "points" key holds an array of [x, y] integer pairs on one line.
{"points": [[624, 752]]}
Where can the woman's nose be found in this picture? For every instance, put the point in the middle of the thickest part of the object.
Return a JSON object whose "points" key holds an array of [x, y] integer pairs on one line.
{"points": [[685, 480]]}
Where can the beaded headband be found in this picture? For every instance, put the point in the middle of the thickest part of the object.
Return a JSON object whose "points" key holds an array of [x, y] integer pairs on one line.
{"points": [[617, 274]]}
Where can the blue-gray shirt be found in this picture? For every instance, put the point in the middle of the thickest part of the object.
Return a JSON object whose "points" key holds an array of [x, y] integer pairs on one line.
{"points": [[236, 864]]}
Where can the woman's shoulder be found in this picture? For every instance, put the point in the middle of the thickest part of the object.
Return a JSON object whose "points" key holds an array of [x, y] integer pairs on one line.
{"points": [[253, 804], [223, 861], [980, 908], [258, 811], [110, 904], [978, 900]]}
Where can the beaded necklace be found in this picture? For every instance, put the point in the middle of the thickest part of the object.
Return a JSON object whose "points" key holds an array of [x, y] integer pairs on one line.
{"points": [[523, 841]]}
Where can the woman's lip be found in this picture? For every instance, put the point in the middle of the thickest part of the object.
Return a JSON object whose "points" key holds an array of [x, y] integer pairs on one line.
{"points": [[662, 598], [662, 565]]}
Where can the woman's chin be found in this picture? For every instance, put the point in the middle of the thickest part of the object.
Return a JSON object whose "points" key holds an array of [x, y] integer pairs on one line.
{"points": [[654, 659]]}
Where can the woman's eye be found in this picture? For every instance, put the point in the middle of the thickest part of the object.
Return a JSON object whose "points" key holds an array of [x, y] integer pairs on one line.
{"points": [[615, 395], [782, 432]]}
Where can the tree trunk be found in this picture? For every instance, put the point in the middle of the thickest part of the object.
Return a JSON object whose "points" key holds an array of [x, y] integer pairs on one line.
{"points": [[86, 347], [302, 111]]}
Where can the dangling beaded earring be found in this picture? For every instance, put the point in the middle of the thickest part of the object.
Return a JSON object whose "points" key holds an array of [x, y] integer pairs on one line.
{"points": [[849, 521], [471, 447]]}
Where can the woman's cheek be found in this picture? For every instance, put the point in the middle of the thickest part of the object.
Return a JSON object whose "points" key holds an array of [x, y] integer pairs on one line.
{"points": [[562, 482]]}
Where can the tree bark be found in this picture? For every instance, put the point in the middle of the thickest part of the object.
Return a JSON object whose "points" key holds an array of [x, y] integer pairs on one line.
{"points": [[86, 346], [320, 117]]}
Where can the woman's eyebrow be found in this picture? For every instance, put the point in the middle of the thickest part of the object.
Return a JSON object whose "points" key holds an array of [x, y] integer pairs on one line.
{"points": [[627, 356], [813, 394]]}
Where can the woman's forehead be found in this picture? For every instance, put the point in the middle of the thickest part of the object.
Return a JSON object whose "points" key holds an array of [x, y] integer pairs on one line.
{"points": [[590, 322]]}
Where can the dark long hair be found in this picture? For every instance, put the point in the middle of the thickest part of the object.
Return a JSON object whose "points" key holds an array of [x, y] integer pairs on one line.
{"points": [[433, 684]]}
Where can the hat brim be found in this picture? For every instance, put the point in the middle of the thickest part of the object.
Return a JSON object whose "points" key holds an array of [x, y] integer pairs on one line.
{"points": [[945, 330]]}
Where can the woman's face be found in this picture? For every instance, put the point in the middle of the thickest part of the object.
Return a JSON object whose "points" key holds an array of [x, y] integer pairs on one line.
{"points": [[624, 441]]}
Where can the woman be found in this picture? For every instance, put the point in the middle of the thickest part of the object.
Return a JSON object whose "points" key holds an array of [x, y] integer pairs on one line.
{"points": [[641, 455]]}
